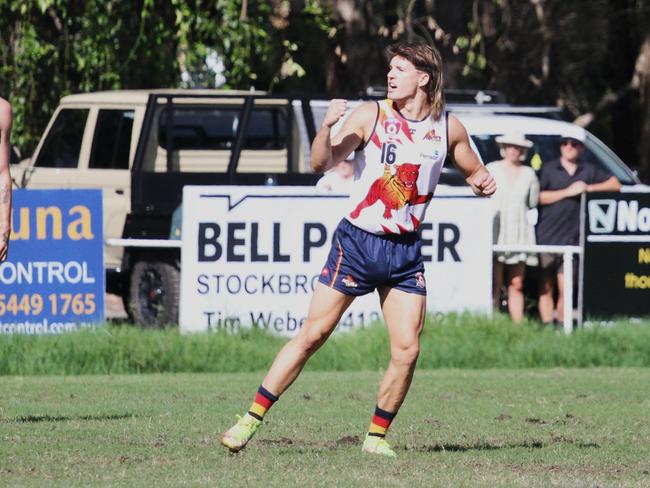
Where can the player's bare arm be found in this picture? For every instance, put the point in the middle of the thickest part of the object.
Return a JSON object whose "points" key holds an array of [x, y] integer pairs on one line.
{"points": [[5, 177], [467, 161], [326, 151]]}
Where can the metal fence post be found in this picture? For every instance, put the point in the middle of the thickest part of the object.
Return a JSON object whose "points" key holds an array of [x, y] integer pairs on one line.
{"points": [[567, 269]]}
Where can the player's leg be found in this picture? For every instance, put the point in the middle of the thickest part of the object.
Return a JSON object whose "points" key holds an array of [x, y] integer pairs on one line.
{"points": [[404, 315], [326, 307]]}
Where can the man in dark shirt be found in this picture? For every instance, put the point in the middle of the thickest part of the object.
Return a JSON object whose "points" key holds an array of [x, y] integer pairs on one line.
{"points": [[562, 182]]}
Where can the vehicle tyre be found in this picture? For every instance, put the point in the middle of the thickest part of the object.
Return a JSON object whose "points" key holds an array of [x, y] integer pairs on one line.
{"points": [[154, 293], [126, 302]]}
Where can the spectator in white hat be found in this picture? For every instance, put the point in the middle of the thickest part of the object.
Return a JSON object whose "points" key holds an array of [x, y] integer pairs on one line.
{"points": [[517, 192], [340, 178]]}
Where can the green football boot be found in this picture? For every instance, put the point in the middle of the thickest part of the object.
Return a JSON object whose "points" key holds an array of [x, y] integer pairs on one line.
{"points": [[239, 434], [377, 445]]}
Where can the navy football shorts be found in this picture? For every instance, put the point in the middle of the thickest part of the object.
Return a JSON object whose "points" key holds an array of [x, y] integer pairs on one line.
{"points": [[359, 262]]}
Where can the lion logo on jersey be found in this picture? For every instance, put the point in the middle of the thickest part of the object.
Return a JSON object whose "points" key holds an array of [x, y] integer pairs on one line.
{"points": [[394, 190]]}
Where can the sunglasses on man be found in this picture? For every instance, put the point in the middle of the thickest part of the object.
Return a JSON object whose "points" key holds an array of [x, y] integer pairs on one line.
{"points": [[571, 142]]}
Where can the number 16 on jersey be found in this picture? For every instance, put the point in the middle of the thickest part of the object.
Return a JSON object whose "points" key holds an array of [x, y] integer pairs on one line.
{"points": [[388, 154]]}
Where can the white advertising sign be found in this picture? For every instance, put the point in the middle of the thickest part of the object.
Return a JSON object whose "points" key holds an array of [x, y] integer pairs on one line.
{"points": [[251, 256]]}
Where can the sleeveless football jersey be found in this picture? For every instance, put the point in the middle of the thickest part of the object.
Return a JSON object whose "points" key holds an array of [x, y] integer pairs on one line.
{"points": [[398, 170]]}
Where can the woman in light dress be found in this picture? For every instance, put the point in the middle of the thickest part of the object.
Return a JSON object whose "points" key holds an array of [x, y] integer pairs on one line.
{"points": [[340, 178], [517, 193]]}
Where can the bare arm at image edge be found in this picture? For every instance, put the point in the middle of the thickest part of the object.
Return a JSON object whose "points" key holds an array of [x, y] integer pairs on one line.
{"points": [[466, 160], [5, 177]]}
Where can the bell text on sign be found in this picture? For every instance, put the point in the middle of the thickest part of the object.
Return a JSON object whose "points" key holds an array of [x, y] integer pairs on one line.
{"points": [[242, 241]]}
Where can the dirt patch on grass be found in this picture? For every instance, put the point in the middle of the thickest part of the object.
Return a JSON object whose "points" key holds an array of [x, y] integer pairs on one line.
{"points": [[476, 446], [348, 440], [488, 446], [282, 441], [535, 420], [567, 419], [432, 421], [64, 418], [581, 471]]}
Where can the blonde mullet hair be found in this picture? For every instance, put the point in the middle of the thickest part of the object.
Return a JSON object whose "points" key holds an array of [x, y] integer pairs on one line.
{"points": [[425, 58]]}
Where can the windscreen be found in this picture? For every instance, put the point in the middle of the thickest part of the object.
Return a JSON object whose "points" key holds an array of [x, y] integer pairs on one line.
{"points": [[546, 148]]}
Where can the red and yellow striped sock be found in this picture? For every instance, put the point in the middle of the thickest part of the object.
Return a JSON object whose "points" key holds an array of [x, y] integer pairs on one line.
{"points": [[264, 400], [380, 422]]}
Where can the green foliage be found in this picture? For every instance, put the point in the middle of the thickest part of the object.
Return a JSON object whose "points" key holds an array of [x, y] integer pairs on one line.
{"points": [[472, 46], [554, 52], [457, 341], [242, 40], [51, 48], [540, 52]]}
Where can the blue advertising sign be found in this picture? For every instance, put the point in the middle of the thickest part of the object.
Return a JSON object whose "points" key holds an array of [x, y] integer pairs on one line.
{"points": [[53, 279]]}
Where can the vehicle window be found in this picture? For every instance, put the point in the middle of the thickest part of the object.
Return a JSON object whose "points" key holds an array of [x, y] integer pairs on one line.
{"points": [[63, 143], [215, 128], [112, 139], [267, 129], [546, 148], [319, 115], [608, 160]]}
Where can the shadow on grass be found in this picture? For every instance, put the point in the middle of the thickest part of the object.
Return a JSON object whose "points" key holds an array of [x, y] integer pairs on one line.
{"points": [[56, 418], [478, 446], [485, 446]]}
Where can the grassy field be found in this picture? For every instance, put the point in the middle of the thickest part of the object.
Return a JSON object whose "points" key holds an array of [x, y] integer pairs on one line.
{"points": [[502, 427], [452, 341]]}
